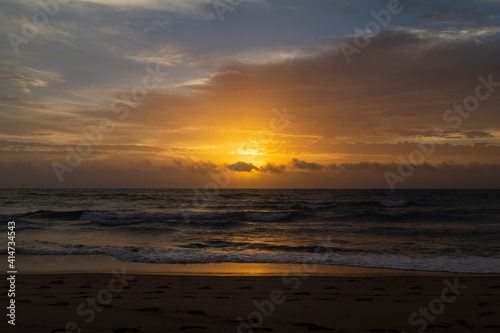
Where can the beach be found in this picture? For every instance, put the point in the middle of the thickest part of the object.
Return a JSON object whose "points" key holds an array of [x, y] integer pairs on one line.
{"points": [[309, 298]]}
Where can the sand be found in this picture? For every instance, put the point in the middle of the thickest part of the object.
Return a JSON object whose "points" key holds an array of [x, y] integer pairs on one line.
{"points": [[364, 302]]}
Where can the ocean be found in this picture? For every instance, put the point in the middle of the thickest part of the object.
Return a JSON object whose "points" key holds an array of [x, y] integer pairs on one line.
{"points": [[431, 230]]}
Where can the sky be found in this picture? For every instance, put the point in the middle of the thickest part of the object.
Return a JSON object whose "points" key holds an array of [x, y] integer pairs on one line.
{"points": [[250, 94]]}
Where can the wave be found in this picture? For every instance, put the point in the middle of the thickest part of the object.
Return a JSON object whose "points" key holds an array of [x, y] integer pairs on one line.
{"points": [[402, 216], [47, 194], [21, 224], [121, 218], [384, 211], [313, 205], [266, 217], [456, 264], [190, 216], [54, 215], [393, 203]]}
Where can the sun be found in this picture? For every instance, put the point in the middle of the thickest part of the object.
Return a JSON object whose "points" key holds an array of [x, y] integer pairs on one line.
{"points": [[249, 153], [248, 150]]}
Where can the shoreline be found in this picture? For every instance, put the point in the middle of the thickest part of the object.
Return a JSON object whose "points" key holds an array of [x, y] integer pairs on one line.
{"points": [[102, 264]]}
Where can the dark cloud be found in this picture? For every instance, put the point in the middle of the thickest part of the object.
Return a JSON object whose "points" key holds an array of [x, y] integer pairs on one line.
{"points": [[199, 167], [28, 146], [401, 81], [242, 167], [477, 134], [273, 168], [303, 165]]}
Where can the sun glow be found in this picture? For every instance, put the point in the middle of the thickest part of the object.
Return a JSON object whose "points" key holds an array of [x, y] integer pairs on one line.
{"points": [[248, 151]]}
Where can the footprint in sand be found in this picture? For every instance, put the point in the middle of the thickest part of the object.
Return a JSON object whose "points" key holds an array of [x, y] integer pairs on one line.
{"points": [[485, 314], [197, 312], [148, 309], [314, 327], [59, 304], [183, 328], [57, 282], [438, 326], [464, 323]]}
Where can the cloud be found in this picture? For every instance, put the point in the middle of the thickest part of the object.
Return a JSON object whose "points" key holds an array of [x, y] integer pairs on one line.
{"points": [[26, 77], [198, 167], [186, 7], [273, 168], [385, 152], [242, 167], [462, 16], [377, 92], [303, 165], [477, 134]]}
